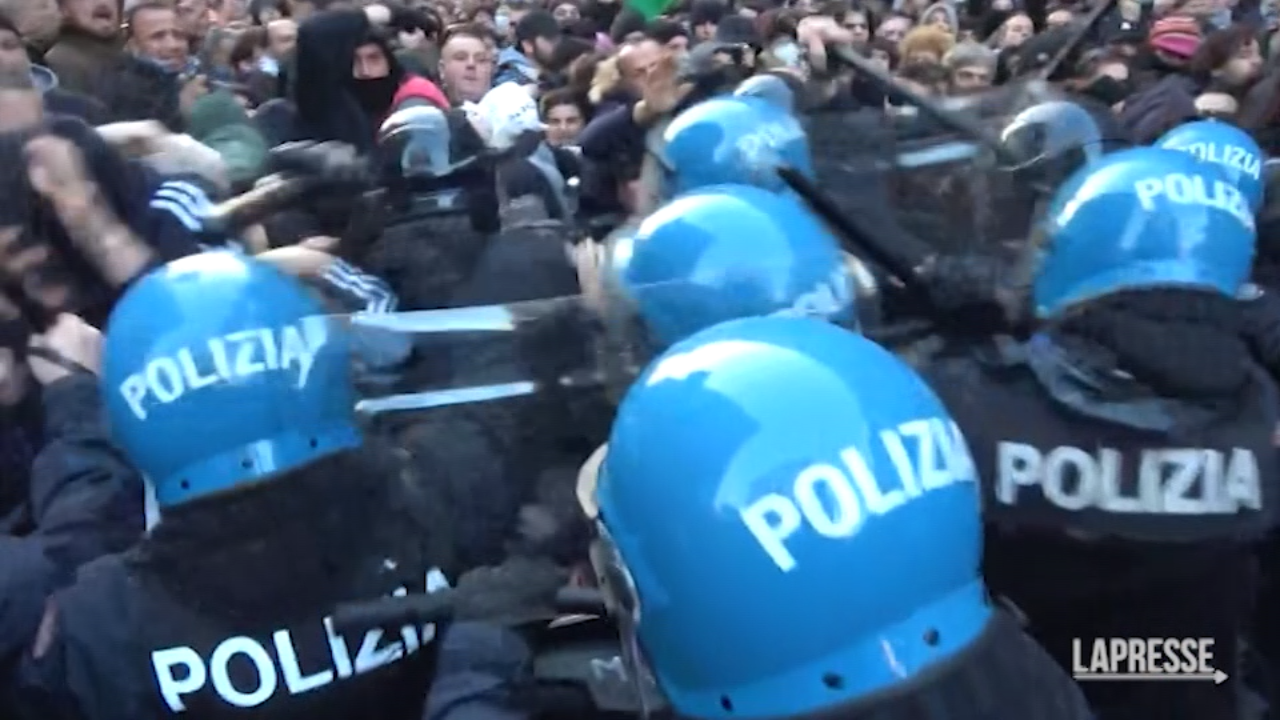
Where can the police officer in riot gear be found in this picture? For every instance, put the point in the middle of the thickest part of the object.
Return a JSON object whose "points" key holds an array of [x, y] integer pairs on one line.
{"points": [[231, 394], [1043, 145], [1235, 153], [1241, 161], [1049, 141], [838, 536], [442, 196], [1126, 450]]}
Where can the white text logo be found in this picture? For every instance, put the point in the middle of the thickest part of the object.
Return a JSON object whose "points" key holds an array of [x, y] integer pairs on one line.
{"points": [[1145, 659]]}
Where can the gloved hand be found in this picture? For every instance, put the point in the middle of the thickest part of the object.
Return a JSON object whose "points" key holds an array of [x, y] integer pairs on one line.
{"points": [[519, 591], [334, 163]]}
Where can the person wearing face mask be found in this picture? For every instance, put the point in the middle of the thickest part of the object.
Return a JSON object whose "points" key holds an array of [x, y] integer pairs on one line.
{"points": [[346, 80], [1104, 78]]}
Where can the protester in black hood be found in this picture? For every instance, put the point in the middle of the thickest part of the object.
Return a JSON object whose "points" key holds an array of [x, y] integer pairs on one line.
{"points": [[346, 80]]}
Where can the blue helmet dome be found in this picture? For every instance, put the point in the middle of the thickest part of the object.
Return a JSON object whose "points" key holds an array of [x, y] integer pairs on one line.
{"points": [[1144, 218], [734, 139], [219, 370], [724, 252], [1227, 146], [798, 517], [770, 88]]}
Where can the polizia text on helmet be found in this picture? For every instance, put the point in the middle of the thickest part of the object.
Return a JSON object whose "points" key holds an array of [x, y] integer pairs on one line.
{"points": [[1195, 190], [229, 358], [834, 500], [1232, 156], [828, 298]]}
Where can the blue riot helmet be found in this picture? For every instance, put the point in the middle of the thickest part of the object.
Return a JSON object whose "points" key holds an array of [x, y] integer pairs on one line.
{"points": [[1046, 143], [719, 253], [1226, 146], [1143, 218], [736, 139], [789, 521], [218, 371], [419, 142]]}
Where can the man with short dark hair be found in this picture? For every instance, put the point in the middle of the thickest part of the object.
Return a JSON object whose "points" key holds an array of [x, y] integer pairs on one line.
{"points": [[154, 34], [536, 36]]}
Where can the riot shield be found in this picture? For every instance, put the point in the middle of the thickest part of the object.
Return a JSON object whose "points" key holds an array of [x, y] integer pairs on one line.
{"points": [[570, 356], [426, 359], [945, 187]]}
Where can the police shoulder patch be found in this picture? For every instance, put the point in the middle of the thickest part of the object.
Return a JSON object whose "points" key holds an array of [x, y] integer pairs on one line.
{"points": [[1249, 291]]}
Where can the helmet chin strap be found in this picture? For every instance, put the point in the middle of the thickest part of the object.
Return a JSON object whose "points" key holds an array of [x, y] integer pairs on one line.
{"points": [[150, 506]]}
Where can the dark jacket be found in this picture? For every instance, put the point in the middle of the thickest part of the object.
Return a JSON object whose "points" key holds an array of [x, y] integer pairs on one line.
{"points": [[79, 58], [1161, 107], [83, 501]]}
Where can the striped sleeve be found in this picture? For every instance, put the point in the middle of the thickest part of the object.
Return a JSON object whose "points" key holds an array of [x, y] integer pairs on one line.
{"points": [[175, 217], [186, 201], [370, 291]]}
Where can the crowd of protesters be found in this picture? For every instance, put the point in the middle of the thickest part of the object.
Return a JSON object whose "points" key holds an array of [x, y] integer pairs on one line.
{"points": [[184, 63]]}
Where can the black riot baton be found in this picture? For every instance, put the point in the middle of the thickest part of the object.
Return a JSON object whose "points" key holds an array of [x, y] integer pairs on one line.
{"points": [[421, 608], [900, 257]]}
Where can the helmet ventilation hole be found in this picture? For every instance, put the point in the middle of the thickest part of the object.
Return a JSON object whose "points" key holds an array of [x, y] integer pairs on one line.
{"points": [[833, 681], [726, 703], [313, 443], [931, 637]]}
